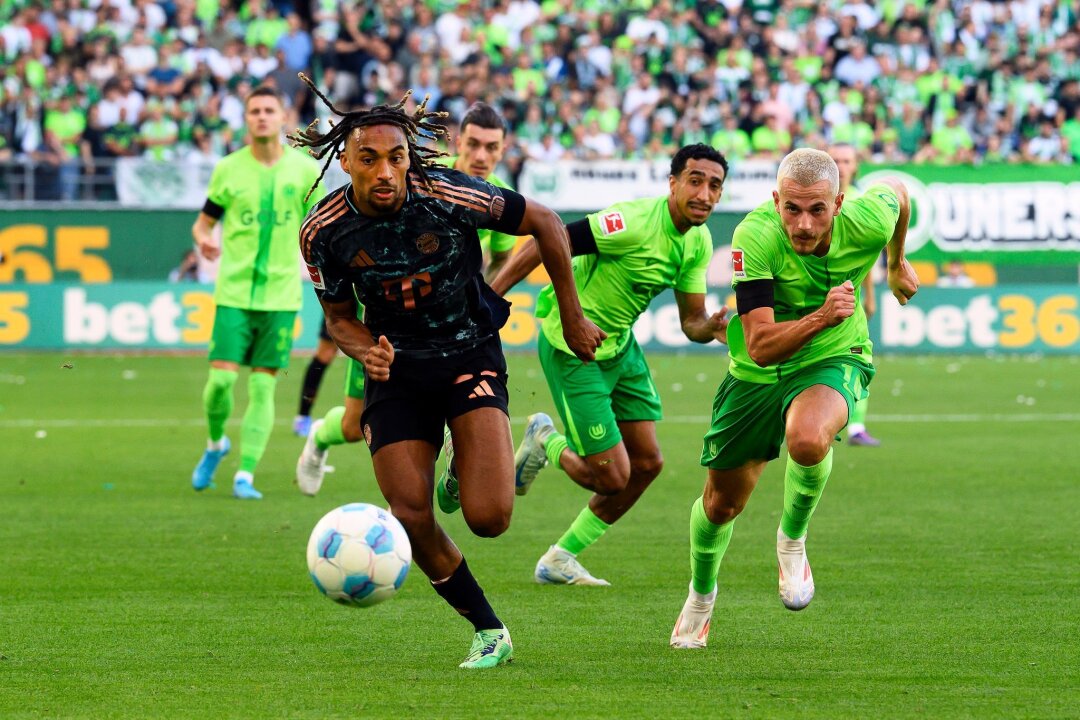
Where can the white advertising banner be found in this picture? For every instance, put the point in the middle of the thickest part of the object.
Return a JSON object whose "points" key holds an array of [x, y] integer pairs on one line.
{"points": [[586, 186]]}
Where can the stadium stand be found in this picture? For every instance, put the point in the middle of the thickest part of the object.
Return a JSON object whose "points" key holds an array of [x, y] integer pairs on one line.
{"points": [[89, 81]]}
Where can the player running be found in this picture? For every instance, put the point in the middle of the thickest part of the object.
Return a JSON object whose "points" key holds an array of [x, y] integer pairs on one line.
{"points": [[259, 190], [800, 359], [401, 238], [624, 257], [481, 142], [847, 163]]}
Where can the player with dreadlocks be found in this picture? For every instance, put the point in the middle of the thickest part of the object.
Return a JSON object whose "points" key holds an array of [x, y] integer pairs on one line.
{"points": [[402, 239]]}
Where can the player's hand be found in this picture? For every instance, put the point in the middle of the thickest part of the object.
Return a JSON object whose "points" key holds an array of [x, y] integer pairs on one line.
{"points": [[377, 360], [839, 304], [583, 337], [209, 248], [717, 324], [903, 281]]}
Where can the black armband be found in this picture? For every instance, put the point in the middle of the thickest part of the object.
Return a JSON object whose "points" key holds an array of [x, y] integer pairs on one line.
{"points": [[212, 209], [507, 212], [582, 241], [754, 294]]}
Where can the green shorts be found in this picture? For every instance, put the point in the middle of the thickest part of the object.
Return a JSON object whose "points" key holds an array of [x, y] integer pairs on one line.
{"points": [[592, 398], [748, 418], [354, 379], [255, 338]]}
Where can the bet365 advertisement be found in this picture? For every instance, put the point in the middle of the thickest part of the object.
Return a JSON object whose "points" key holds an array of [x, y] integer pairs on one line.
{"points": [[111, 316]]}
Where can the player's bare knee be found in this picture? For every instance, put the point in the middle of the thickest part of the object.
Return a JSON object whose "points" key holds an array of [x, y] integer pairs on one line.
{"points": [[647, 468], [489, 524], [352, 432], [808, 449], [609, 479], [721, 510]]}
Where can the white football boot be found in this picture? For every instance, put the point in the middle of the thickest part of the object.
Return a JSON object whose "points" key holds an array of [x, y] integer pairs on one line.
{"points": [[796, 580], [691, 630], [559, 567], [311, 466]]}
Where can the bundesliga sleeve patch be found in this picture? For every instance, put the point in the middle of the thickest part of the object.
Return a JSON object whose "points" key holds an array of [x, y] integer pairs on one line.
{"points": [[612, 223], [316, 276], [737, 264]]}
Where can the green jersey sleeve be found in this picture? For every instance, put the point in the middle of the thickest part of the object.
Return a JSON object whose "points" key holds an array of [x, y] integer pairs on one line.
{"points": [[754, 255], [617, 230], [219, 192], [873, 214]]}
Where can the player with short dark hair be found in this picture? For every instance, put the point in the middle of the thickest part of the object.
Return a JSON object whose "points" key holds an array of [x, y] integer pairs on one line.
{"points": [[800, 360], [401, 238], [624, 257], [259, 190]]}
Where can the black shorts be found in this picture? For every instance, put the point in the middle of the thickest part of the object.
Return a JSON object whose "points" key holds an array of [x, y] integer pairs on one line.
{"points": [[324, 334], [422, 395]]}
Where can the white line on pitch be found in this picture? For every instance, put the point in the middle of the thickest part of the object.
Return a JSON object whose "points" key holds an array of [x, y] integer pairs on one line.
{"points": [[672, 420]]}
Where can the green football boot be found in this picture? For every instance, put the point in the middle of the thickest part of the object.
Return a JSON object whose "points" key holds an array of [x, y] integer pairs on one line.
{"points": [[490, 648]]}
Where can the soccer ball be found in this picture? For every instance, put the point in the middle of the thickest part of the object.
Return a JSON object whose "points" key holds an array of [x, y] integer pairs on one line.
{"points": [[358, 555]]}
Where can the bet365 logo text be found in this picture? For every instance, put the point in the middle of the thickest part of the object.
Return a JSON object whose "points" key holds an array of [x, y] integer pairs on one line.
{"points": [[1005, 319]]}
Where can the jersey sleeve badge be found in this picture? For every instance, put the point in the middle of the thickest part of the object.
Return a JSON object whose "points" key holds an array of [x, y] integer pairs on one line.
{"points": [[612, 223], [737, 264], [316, 276]]}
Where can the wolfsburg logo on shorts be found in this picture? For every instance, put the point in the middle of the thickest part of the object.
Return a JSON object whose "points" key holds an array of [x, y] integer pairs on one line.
{"points": [[597, 431]]}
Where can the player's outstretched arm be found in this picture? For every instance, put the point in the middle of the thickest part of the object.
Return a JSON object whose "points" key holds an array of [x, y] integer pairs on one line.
{"points": [[517, 268], [769, 342], [553, 244], [356, 341], [697, 323], [903, 281], [203, 233]]}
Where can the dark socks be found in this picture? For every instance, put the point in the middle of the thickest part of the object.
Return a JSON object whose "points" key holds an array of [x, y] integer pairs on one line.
{"points": [[312, 378], [463, 593]]}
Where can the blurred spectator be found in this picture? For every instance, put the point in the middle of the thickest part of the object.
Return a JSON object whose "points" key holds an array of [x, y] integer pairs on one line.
{"points": [[955, 276], [944, 81]]}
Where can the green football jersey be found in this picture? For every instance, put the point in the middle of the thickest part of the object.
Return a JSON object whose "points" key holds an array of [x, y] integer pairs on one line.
{"points": [[639, 255], [760, 250], [489, 239], [264, 208]]}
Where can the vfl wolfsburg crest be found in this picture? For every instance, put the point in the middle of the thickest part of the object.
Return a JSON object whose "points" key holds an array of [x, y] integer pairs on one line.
{"points": [[597, 431]]}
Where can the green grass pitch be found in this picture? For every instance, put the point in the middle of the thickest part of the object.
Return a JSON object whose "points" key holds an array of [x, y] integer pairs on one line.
{"points": [[945, 561]]}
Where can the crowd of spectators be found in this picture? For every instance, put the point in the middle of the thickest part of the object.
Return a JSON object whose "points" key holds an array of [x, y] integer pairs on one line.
{"points": [[937, 81]]}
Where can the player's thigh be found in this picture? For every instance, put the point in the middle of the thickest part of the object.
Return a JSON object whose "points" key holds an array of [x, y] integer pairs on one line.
{"points": [[273, 338], [484, 461], [232, 336], [823, 395], [747, 425], [582, 396], [405, 473]]}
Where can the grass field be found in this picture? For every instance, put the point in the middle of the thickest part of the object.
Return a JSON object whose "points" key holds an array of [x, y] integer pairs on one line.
{"points": [[945, 561]]}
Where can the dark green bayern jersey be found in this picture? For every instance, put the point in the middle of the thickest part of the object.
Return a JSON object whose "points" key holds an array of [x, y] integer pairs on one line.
{"points": [[417, 272]]}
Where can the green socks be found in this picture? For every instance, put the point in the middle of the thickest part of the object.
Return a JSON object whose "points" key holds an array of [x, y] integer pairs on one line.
{"points": [[553, 447], [708, 543], [802, 490], [330, 432], [583, 532], [258, 420], [218, 400]]}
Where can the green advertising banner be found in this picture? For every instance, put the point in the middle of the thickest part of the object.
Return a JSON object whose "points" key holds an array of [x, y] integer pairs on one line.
{"points": [[1002, 214], [147, 316]]}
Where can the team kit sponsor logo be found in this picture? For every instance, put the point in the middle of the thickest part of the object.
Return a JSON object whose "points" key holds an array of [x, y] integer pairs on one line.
{"points": [[612, 223]]}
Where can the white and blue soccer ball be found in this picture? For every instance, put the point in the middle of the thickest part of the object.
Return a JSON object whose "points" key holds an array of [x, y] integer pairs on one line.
{"points": [[358, 555]]}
